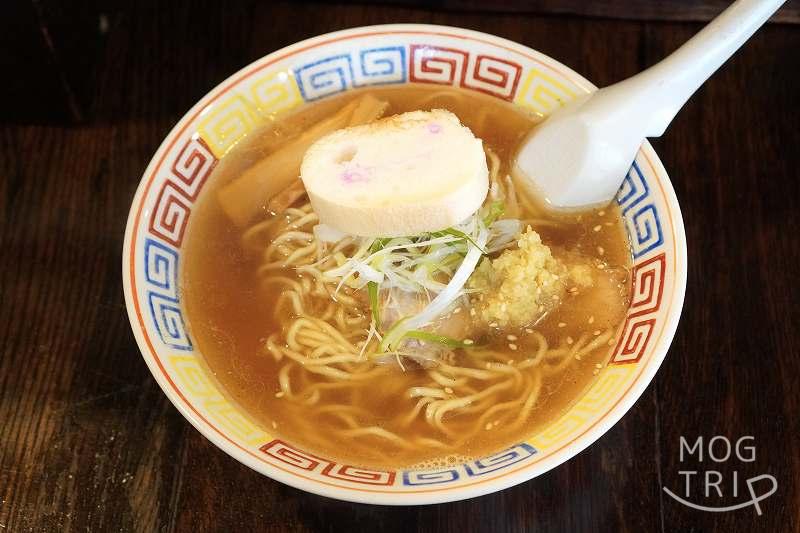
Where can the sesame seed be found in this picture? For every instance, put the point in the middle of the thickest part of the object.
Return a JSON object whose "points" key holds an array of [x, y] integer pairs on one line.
{"points": [[569, 340], [528, 330], [601, 266], [488, 426], [596, 332], [472, 312], [598, 365], [457, 310], [609, 223], [488, 366], [573, 290], [601, 213], [597, 227], [600, 250], [468, 341], [555, 297], [562, 324], [541, 308], [591, 319], [493, 325], [611, 341], [274, 424], [595, 372], [511, 337], [279, 394], [577, 357], [512, 346], [448, 390], [496, 423]]}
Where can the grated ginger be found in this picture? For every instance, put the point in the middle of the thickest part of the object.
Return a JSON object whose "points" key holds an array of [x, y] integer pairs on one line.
{"points": [[522, 285]]}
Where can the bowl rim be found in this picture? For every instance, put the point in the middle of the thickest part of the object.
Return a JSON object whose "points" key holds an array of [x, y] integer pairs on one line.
{"points": [[444, 494]]}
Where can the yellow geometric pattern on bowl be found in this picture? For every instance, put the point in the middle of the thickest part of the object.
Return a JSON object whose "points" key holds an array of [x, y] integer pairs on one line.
{"points": [[275, 92], [191, 377], [542, 93], [594, 403], [246, 108]]}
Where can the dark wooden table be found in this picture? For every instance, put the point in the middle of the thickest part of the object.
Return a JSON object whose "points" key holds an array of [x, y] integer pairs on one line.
{"points": [[89, 443]]}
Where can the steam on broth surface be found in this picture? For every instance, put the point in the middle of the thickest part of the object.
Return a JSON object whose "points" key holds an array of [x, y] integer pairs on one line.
{"points": [[300, 350]]}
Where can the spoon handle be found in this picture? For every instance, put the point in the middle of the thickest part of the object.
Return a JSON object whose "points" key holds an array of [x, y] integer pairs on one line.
{"points": [[659, 92]]}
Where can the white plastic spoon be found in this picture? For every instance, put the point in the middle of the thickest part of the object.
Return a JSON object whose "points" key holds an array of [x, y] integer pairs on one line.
{"points": [[579, 156]]}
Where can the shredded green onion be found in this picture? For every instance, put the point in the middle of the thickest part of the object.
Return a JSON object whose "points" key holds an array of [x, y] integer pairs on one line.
{"points": [[494, 211], [435, 264], [433, 337], [394, 334], [378, 244], [461, 235], [372, 290]]}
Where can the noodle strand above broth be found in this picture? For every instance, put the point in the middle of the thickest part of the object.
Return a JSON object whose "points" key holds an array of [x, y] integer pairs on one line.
{"points": [[292, 325]]}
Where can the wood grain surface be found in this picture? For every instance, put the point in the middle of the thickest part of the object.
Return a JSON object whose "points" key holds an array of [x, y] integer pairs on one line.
{"points": [[88, 442], [685, 10]]}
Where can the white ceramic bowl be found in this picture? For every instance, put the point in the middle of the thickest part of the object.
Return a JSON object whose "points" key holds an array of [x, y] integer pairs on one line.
{"points": [[324, 66]]}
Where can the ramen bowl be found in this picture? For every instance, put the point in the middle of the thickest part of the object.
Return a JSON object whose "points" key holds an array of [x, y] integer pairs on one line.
{"points": [[326, 66]]}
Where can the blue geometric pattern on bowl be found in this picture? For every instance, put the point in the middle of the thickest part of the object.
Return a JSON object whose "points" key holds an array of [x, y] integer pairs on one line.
{"points": [[639, 212], [161, 277], [491, 463], [335, 74]]}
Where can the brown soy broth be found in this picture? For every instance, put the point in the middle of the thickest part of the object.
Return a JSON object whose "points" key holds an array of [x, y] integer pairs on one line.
{"points": [[230, 316]]}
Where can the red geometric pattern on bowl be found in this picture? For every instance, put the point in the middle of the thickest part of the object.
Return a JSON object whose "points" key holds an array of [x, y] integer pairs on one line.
{"points": [[648, 286], [285, 453], [647, 290], [170, 214], [450, 66], [193, 166], [189, 172]]}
